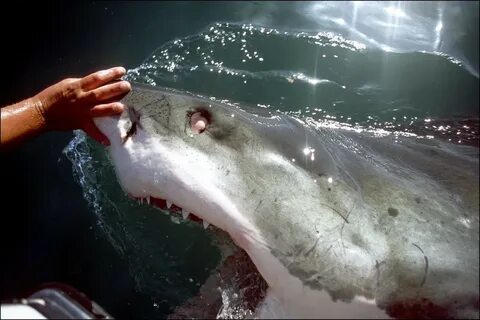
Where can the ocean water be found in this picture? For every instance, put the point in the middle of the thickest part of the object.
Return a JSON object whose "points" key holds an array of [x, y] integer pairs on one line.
{"points": [[396, 68]]}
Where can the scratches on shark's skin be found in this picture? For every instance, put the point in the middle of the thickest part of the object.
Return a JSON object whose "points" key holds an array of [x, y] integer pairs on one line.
{"points": [[329, 248], [426, 265], [349, 212], [377, 267], [161, 99], [345, 220], [312, 248], [258, 205], [153, 105], [341, 240], [343, 226], [336, 211]]}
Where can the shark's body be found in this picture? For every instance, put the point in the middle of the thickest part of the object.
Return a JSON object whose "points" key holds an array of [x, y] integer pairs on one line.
{"points": [[339, 223]]}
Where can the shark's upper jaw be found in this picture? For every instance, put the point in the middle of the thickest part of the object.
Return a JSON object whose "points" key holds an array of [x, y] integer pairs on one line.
{"points": [[180, 187], [174, 209]]}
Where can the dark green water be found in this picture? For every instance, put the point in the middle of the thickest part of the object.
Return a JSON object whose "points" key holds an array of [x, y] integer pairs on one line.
{"points": [[78, 227]]}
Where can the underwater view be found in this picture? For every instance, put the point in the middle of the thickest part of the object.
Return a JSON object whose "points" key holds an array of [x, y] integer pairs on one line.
{"points": [[401, 72]]}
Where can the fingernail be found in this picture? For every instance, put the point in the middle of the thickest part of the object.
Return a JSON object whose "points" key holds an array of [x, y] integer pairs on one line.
{"points": [[125, 85], [120, 70], [119, 107]]}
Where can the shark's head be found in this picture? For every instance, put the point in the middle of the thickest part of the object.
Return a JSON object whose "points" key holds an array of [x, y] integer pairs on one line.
{"points": [[205, 157], [249, 173]]}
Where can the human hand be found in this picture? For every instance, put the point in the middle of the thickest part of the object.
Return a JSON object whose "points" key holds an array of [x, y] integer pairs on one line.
{"points": [[73, 103]]}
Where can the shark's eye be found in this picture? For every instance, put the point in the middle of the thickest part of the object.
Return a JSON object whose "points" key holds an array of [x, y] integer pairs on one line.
{"points": [[199, 120]]}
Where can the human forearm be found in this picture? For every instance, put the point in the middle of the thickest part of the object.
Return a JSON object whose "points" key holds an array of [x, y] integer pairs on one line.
{"points": [[20, 122]]}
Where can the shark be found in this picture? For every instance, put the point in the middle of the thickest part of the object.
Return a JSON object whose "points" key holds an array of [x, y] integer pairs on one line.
{"points": [[339, 223]]}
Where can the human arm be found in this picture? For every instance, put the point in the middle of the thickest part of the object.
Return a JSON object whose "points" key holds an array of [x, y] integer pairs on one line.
{"points": [[67, 105]]}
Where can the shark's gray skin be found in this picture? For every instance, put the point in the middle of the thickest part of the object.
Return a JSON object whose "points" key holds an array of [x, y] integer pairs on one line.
{"points": [[339, 223]]}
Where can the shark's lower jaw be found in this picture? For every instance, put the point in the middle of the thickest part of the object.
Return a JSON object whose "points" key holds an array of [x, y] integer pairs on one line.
{"points": [[242, 232]]}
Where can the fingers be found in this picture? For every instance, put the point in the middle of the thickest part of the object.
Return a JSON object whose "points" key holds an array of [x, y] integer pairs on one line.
{"points": [[108, 91], [100, 78], [108, 109], [91, 129]]}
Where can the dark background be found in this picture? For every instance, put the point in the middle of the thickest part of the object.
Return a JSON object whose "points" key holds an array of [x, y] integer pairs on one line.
{"points": [[47, 228]]}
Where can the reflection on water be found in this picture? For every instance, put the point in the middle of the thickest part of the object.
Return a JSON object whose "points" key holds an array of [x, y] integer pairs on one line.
{"points": [[395, 25], [321, 76], [450, 27]]}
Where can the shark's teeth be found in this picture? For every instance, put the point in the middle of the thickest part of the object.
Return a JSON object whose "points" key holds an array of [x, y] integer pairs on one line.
{"points": [[205, 224], [169, 204], [185, 214]]}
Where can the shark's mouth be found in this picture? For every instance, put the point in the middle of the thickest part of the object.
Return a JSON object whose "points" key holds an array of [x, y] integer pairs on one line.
{"points": [[237, 276], [237, 288], [173, 209]]}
